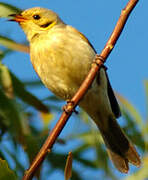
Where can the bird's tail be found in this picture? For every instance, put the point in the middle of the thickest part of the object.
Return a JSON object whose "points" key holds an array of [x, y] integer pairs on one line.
{"points": [[120, 149]]}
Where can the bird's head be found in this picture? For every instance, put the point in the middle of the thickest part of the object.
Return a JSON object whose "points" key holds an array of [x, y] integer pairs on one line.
{"points": [[36, 20]]}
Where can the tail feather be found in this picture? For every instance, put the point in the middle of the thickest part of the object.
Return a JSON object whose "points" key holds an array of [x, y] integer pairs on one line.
{"points": [[119, 148], [119, 162], [133, 156]]}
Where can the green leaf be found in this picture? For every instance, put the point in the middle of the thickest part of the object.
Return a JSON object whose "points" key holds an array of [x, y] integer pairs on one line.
{"points": [[15, 158], [6, 172], [31, 146], [46, 119], [3, 53], [146, 92], [32, 83], [132, 110], [7, 9], [11, 116], [57, 161], [136, 135], [6, 81], [68, 167], [26, 96], [10, 44]]}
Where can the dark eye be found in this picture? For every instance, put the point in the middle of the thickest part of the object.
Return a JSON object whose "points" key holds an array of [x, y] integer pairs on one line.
{"points": [[36, 17]]}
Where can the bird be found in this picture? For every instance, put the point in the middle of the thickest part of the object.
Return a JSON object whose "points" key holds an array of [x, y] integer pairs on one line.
{"points": [[62, 57]]}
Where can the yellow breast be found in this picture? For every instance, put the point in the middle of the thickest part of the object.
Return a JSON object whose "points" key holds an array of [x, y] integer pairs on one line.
{"points": [[62, 59]]}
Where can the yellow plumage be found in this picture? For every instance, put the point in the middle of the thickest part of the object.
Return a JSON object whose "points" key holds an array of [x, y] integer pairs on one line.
{"points": [[62, 57]]}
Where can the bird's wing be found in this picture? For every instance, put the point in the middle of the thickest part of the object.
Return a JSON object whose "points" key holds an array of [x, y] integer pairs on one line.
{"points": [[113, 101], [84, 38], [114, 104]]}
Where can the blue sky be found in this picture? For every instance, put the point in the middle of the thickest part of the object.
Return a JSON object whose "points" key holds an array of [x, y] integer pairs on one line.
{"points": [[127, 64]]}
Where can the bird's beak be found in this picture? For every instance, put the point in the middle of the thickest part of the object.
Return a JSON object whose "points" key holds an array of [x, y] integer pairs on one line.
{"points": [[17, 18]]}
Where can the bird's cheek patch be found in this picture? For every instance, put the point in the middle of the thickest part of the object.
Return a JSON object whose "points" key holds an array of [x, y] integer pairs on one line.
{"points": [[48, 25]]}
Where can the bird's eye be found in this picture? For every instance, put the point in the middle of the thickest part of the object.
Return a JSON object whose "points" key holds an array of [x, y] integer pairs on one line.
{"points": [[36, 17]]}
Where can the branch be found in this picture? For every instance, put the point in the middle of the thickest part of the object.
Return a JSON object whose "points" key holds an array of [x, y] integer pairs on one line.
{"points": [[10, 44], [70, 107]]}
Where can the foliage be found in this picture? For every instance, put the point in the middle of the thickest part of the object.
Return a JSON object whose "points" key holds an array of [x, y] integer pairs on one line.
{"points": [[24, 138], [7, 173]]}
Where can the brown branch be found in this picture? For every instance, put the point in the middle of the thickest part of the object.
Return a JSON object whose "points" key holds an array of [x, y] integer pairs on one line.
{"points": [[98, 62]]}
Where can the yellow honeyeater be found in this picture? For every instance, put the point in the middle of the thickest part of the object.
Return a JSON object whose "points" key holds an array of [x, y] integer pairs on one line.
{"points": [[62, 57]]}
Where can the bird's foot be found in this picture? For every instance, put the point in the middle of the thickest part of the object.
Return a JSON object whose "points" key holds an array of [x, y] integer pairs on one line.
{"points": [[69, 107], [99, 59]]}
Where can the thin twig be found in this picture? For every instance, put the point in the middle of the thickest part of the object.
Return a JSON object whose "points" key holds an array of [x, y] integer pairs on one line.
{"points": [[98, 62]]}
